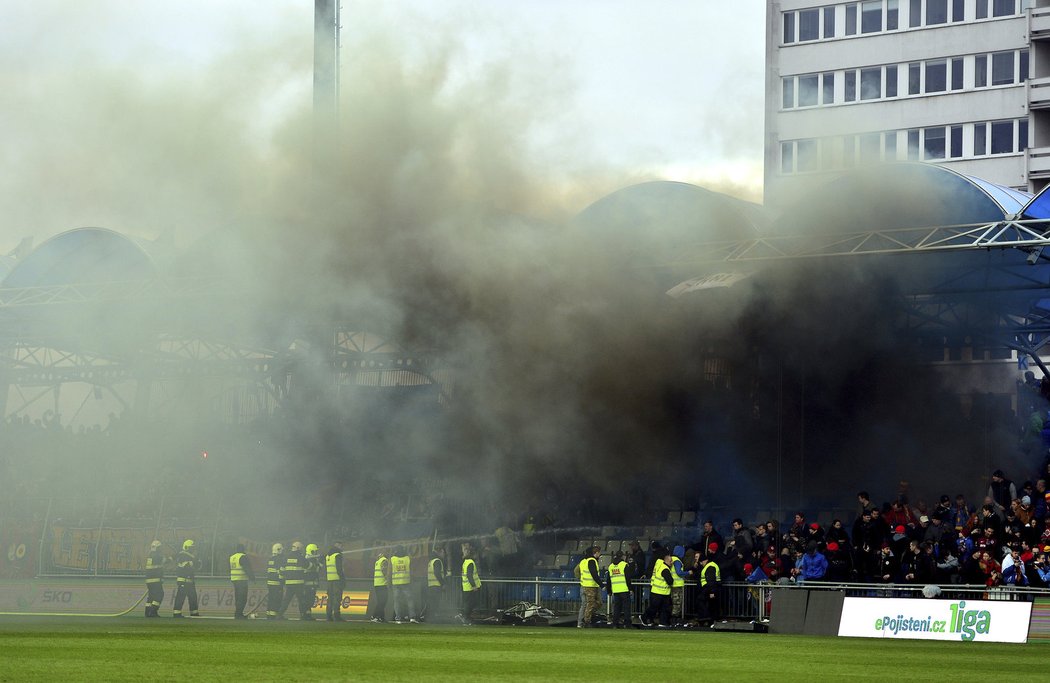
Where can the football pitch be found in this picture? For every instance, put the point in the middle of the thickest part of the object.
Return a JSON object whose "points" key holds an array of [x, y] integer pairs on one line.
{"points": [[137, 649]]}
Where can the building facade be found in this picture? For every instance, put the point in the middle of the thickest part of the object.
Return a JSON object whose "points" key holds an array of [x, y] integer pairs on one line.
{"points": [[964, 83]]}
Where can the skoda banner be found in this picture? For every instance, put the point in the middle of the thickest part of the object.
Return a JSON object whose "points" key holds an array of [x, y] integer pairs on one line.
{"points": [[989, 621]]}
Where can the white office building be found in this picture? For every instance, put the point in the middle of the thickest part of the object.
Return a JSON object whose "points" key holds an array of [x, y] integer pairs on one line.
{"points": [[964, 83]]}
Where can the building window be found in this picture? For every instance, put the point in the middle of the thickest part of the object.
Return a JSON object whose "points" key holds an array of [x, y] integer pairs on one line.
{"points": [[851, 85], [808, 159], [890, 146], [789, 92], [1022, 135], [1002, 68], [789, 27], [980, 71], [980, 139], [849, 150], [915, 14], [956, 142], [851, 20], [933, 143], [936, 12], [871, 16], [1002, 137], [807, 91], [870, 147], [891, 14], [913, 143], [787, 157], [1023, 65], [808, 24], [957, 73], [936, 76], [829, 22], [1004, 8], [958, 10], [982, 9], [871, 83], [828, 89], [914, 75], [891, 81]]}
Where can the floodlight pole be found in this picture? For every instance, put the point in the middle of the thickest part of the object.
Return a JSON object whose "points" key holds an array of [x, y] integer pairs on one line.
{"points": [[326, 76]]}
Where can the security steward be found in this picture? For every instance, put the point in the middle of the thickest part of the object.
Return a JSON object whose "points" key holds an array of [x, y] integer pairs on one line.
{"points": [[471, 584], [274, 582], [310, 576], [435, 583], [186, 572], [240, 574], [294, 581], [710, 586], [333, 562], [380, 587], [590, 586], [154, 579], [660, 591], [401, 580], [619, 587]]}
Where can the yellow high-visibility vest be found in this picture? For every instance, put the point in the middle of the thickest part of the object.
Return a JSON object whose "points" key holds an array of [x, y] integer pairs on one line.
{"points": [[657, 583], [400, 570], [237, 572], [432, 577], [467, 585], [586, 580], [379, 578], [332, 566], [676, 580], [703, 573], [618, 577]]}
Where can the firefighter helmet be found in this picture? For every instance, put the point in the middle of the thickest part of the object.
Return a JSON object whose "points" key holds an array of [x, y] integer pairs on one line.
{"points": [[277, 549], [296, 546], [187, 544], [311, 549], [155, 545]]}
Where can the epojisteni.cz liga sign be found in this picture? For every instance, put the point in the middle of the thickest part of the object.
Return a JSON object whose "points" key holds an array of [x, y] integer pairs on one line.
{"points": [[989, 621]]}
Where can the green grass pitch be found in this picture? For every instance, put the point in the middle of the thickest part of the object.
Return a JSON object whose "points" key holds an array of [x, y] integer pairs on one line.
{"points": [[136, 649]]}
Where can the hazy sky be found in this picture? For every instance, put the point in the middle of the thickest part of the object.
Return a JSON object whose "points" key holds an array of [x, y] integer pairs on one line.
{"points": [[622, 90]]}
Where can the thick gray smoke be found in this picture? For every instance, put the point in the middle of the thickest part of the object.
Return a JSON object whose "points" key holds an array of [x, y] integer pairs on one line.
{"points": [[566, 378]]}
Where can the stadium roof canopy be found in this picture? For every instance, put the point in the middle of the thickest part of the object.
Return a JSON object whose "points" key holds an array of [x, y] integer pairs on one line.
{"points": [[83, 256]]}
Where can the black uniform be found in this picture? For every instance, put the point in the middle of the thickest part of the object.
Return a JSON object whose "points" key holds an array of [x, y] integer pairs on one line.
{"points": [[154, 582], [310, 576], [294, 581], [185, 572], [274, 586]]}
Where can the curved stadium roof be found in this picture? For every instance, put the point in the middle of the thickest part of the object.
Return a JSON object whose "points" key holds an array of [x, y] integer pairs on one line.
{"points": [[83, 256]]}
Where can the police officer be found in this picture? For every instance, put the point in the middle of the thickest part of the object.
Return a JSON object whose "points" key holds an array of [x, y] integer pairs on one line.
{"points": [[380, 582], [186, 572], [401, 579], [471, 584], [294, 581], [240, 574], [333, 561], [435, 583], [310, 576], [154, 579], [274, 582]]}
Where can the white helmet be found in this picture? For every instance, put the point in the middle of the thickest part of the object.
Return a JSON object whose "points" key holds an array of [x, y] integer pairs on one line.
{"points": [[155, 545], [277, 549], [296, 546]]}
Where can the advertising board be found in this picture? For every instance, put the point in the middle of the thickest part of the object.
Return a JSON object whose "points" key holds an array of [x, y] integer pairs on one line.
{"points": [[918, 618]]}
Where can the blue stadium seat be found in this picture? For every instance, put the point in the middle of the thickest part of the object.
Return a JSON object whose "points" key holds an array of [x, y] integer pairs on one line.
{"points": [[572, 593]]}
